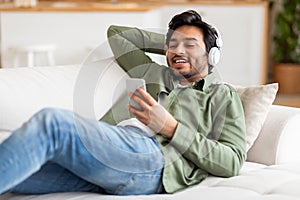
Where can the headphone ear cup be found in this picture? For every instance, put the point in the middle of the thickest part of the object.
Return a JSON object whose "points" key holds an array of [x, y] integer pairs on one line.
{"points": [[214, 56], [219, 41]]}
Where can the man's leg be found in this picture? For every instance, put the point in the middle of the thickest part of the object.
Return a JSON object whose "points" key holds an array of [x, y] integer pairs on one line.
{"points": [[54, 178], [118, 159]]}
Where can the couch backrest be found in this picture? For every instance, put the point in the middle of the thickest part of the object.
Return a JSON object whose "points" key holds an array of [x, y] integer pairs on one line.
{"points": [[88, 89]]}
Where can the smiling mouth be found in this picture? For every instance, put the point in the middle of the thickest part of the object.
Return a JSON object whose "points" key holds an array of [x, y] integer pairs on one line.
{"points": [[180, 60]]}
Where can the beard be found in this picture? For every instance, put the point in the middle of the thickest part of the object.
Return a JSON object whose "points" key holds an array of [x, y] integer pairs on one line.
{"points": [[185, 76], [178, 76], [193, 71]]}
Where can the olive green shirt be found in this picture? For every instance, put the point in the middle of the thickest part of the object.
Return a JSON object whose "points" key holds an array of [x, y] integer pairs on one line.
{"points": [[210, 136]]}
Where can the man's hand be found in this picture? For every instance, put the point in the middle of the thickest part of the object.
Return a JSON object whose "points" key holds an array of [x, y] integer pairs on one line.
{"points": [[153, 114]]}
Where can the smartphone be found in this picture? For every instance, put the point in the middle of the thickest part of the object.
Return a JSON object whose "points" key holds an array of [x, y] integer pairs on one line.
{"points": [[132, 84]]}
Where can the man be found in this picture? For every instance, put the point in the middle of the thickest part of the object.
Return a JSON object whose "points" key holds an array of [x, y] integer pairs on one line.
{"points": [[188, 127]]}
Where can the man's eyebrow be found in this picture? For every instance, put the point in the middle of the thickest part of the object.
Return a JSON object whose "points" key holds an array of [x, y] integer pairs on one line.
{"points": [[190, 39], [185, 39]]}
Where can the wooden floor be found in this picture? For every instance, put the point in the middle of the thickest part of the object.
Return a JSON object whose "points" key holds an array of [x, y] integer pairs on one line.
{"points": [[288, 100]]}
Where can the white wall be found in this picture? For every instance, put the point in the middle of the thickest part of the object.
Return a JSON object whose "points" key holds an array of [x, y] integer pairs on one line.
{"points": [[76, 33]]}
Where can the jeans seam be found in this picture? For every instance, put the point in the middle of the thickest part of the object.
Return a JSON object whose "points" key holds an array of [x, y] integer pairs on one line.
{"points": [[159, 189], [119, 188]]}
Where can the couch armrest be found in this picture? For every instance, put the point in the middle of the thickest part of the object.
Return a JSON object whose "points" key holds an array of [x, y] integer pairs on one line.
{"points": [[278, 140]]}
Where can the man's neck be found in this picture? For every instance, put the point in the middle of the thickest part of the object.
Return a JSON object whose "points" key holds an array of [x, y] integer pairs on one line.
{"points": [[191, 80]]}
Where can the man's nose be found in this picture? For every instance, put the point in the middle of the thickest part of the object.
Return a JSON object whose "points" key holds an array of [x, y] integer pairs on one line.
{"points": [[180, 49]]}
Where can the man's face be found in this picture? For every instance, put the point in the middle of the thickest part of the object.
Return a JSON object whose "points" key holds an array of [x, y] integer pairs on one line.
{"points": [[186, 53]]}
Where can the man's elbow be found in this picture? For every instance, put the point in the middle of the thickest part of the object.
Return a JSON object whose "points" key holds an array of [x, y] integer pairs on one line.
{"points": [[111, 31], [237, 164]]}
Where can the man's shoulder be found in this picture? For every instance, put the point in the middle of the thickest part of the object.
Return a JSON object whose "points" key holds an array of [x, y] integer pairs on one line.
{"points": [[224, 86]]}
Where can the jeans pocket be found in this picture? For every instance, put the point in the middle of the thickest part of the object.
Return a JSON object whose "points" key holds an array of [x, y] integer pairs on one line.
{"points": [[140, 184]]}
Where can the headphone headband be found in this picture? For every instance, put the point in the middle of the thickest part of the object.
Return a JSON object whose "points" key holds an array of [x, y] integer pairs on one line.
{"points": [[219, 40]]}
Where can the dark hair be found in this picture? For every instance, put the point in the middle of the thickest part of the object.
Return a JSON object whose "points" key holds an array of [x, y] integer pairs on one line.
{"points": [[192, 18]]}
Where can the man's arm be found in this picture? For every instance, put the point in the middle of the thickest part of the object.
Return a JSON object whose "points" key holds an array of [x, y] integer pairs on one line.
{"points": [[130, 44], [153, 115], [223, 152]]}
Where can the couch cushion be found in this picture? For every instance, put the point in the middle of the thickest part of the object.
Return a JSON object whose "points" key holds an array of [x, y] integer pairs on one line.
{"points": [[24, 91], [88, 89], [278, 141], [256, 102], [277, 182]]}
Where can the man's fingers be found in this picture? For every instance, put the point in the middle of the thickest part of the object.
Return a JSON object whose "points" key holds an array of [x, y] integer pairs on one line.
{"points": [[148, 98], [144, 105]]}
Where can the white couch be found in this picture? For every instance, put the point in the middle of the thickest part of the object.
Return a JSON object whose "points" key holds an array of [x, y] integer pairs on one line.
{"points": [[272, 170]]}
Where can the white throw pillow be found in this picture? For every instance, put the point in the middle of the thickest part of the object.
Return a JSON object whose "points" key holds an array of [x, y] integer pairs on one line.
{"points": [[256, 102]]}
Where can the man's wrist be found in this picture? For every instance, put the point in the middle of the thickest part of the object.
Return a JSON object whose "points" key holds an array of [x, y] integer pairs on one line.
{"points": [[170, 129]]}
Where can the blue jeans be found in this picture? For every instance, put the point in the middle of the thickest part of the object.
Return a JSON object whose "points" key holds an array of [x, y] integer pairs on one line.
{"points": [[59, 151]]}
